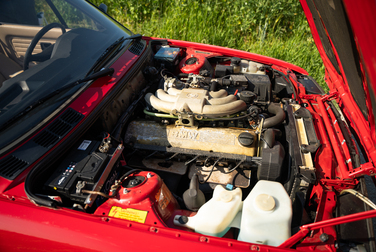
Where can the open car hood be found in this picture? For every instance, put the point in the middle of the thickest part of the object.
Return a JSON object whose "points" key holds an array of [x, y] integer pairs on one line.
{"points": [[343, 33]]}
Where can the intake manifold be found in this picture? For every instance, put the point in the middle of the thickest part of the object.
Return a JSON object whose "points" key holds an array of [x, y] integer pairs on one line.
{"points": [[197, 101]]}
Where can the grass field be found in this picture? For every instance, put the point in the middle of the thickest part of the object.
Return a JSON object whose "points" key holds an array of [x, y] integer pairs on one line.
{"points": [[273, 28]]}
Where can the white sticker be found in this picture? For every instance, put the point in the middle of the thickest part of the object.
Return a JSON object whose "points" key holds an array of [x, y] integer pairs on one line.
{"points": [[84, 145]]}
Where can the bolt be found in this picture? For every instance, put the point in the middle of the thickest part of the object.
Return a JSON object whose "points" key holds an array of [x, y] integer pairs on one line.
{"points": [[125, 191], [148, 175], [255, 248], [324, 237], [11, 198], [203, 239]]}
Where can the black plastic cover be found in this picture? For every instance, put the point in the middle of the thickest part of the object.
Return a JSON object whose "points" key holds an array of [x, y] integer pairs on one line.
{"points": [[310, 85], [223, 70], [260, 85], [271, 163]]}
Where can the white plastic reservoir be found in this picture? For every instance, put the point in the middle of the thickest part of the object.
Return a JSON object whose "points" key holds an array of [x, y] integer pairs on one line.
{"points": [[215, 216], [250, 67], [266, 215]]}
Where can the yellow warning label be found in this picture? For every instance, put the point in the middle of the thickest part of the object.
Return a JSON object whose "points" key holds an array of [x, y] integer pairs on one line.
{"points": [[128, 214]]}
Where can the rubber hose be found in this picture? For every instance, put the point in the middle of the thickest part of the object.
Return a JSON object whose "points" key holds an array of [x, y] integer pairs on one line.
{"points": [[280, 115], [268, 139], [213, 86]]}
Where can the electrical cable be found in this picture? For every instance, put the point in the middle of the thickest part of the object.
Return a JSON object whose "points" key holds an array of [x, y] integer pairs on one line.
{"points": [[193, 159], [113, 187], [360, 196], [122, 178], [98, 193], [211, 171], [205, 119], [152, 154], [236, 167], [177, 153]]}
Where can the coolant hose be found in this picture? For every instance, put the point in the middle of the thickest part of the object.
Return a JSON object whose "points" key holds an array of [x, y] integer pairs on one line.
{"points": [[268, 139], [279, 116]]}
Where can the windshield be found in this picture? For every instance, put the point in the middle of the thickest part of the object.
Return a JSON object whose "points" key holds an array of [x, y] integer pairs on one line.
{"points": [[76, 35]]}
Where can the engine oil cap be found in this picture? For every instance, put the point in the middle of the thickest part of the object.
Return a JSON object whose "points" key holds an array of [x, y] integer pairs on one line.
{"points": [[265, 202], [246, 139]]}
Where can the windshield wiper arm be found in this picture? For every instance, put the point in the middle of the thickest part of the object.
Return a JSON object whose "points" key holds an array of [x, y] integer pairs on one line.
{"points": [[101, 73], [110, 51]]}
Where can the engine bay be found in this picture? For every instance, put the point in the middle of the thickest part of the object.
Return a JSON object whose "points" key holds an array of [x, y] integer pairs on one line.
{"points": [[211, 144]]}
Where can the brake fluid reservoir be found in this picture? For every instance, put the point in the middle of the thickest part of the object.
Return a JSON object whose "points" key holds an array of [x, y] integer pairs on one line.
{"points": [[215, 216], [266, 215]]}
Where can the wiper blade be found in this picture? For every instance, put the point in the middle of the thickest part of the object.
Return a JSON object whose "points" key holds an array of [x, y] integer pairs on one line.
{"points": [[101, 73], [110, 51]]}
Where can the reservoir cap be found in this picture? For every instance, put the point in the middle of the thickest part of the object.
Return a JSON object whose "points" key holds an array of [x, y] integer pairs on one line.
{"points": [[265, 202], [225, 196], [247, 96], [235, 61]]}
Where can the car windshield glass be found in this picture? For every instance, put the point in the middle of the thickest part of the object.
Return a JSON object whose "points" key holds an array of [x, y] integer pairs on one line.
{"points": [[76, 34]]}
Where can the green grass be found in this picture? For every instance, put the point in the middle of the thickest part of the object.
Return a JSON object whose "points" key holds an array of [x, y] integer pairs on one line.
{"points": [[276, 29]]}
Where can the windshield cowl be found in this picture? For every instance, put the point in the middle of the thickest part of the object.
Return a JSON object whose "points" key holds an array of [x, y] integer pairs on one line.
{"points": [[72, 55]]}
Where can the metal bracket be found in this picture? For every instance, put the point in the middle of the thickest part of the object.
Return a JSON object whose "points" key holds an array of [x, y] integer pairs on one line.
{"points": [[364, 169], [337, 183], [80, 185], [185, 120], [308, 174]]}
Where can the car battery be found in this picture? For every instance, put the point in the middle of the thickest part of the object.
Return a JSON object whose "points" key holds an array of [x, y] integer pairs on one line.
{"points": [[85, 170]]}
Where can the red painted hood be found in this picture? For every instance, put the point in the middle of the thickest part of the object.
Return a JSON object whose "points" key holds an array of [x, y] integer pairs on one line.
{"points": [[344, 32]]}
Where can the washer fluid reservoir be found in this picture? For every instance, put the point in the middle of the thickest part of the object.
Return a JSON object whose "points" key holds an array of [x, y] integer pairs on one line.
{"points": [[216, 215], [266, 215]]}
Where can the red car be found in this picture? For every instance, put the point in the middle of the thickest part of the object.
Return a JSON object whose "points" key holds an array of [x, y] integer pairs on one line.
{"points": [[113, 141]]}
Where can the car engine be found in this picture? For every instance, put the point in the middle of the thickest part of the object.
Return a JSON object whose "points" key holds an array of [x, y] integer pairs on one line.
{"points": [[204, 127]]}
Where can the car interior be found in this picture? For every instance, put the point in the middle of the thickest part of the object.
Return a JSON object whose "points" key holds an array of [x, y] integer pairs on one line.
{"points": [[17, 30]]}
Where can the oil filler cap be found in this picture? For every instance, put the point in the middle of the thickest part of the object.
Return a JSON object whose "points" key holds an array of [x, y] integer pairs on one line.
{"points": [[246, 139], [265, 202]]}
